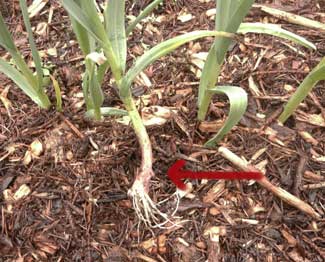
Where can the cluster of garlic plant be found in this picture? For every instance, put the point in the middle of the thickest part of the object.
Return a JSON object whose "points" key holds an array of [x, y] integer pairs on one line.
{"points": [[229, 17]]}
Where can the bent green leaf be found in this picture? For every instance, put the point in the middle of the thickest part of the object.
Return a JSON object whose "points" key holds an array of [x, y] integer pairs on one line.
{"points": [[238, 104], [274, 30], [229, 15], [162, 49]]}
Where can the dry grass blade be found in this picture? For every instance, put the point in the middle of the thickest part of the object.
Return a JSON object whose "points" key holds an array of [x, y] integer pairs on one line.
{"points": [[292, 18]]}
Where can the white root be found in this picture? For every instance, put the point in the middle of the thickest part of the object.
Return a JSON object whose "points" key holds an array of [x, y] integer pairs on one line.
{"points": [[147, 210]]}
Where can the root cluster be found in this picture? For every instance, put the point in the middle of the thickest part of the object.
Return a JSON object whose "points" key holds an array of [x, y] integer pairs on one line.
{"points": [[146, 209]]}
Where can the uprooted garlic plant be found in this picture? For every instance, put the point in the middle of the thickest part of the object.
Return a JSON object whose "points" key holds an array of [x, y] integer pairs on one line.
{"points": [[104, 45]]}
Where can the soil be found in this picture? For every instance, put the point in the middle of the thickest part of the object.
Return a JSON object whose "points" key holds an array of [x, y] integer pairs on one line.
{"points": [[69, 201]]}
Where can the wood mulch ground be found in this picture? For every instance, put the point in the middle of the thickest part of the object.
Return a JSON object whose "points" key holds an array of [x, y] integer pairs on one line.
{"points": [[69, 203]]}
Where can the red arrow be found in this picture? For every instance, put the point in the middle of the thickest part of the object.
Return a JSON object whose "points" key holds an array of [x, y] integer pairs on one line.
{"points": [[175, 173]]}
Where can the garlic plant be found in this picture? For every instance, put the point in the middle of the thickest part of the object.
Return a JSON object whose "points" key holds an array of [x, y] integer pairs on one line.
{"points": [[229, 17], [109, 37], [32, 85]]}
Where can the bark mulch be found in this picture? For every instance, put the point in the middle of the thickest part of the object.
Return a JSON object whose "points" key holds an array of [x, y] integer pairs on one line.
{"points": [[64, 197]]}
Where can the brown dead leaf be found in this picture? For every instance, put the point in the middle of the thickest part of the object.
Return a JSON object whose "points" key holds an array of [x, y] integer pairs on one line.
{"points": [[214, 232], [69, 75], [42, 29], [36, 7], [213, 211], [198, 59], [313, 176], [189, 253], [5, 244], [184, 92], [104, 231], [27, 158], [34, 151], [181, 123]]}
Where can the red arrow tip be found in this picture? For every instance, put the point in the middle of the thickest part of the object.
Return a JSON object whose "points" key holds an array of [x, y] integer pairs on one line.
{"points": [[176, 174]]}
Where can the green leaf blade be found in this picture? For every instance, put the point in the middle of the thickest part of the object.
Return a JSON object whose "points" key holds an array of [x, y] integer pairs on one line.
{"points": [[115, 27], [5, 37], [95, 94], [274, 30], [107, 111], [35, 54], [19, 79], [162, 49], [229, 15], [58, 95], [316, 75], [7, 42], [81, 35], [88, 17], [238, 104], [210, 71], [142, 15]]}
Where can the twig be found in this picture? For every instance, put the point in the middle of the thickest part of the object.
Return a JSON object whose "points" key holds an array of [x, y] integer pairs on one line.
{"points": [[292, 18], [278, 72], [299, 174], [314, 186], [72, 127], [264, 182]]}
